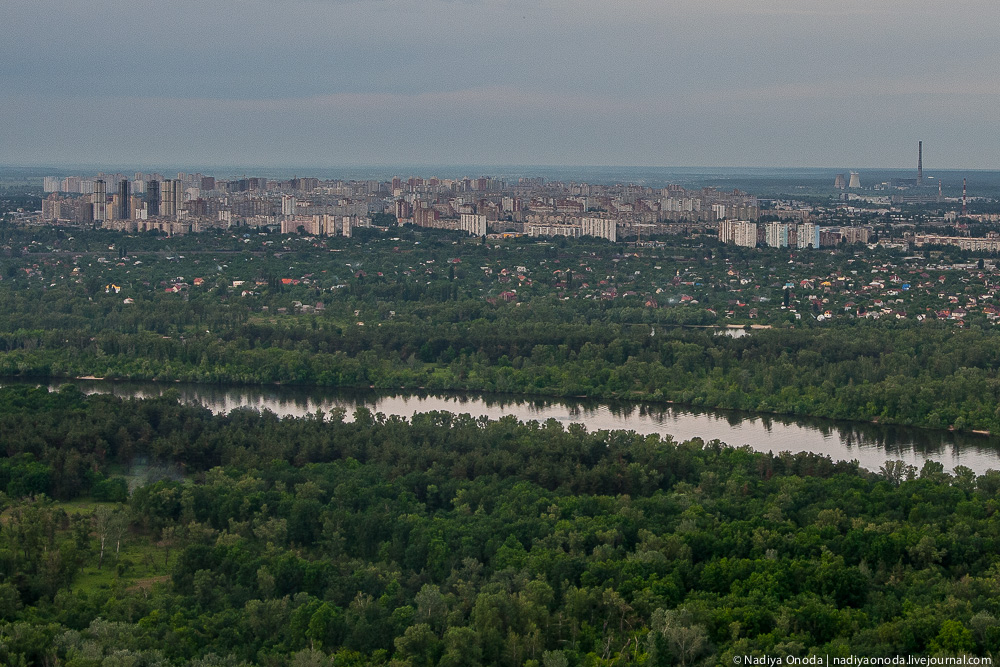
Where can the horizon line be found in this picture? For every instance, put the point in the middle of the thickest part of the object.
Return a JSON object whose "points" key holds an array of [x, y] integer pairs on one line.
{"points": [[457, 165]]}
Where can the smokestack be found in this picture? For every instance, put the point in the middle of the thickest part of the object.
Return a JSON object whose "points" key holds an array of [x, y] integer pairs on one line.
{"points": [[939, 190], [964, 209], [920, 163]]}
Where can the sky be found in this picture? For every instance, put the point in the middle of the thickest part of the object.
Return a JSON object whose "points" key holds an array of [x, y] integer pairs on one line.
{"points": [[673, 83]]}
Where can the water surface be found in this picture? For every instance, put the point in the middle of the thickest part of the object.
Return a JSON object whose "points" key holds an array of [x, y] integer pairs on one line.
{"points": [[870, 444]]}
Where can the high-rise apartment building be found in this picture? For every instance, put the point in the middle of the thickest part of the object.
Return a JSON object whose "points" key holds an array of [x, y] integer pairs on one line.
{"points": [[167, 209], [52, 208], [727, 231], [474, 224], [124, 200], [855, 234], [178, 198], [100, 201], [739, 232], [604, 228], [808, 235], [153, 199], [746, 234], [171, 198], [137, 208], [776, 234]]}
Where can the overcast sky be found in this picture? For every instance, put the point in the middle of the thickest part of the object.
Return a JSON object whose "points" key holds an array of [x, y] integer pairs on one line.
{"points": [[845, 83]]}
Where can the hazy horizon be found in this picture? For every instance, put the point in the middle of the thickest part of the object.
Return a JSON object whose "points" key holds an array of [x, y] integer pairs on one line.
{"points": [[203, 167], [585, 173]]}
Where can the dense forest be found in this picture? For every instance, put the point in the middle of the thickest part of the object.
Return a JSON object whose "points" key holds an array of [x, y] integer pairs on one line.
{"points": [[147, 532], [573, 318]]}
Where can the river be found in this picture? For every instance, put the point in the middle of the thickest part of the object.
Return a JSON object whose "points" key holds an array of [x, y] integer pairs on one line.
{"points": [[870, 444]]}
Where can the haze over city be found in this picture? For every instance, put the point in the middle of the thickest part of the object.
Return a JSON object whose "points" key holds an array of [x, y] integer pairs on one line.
{"points": [[434, 82]]}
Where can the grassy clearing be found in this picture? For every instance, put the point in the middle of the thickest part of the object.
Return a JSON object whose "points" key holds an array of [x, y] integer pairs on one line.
{"points": [[139, 564], [81, 506]]}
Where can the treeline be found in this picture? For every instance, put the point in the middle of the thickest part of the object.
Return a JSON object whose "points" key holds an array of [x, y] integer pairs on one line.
{"points": [[450, 540], [922, 374], [408, 316]]}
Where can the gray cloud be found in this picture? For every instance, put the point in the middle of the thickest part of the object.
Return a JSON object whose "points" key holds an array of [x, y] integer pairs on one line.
{"points": [[715, 82]]}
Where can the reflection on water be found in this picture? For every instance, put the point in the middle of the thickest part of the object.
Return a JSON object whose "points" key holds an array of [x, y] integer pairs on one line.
{"points": [[870, 444]]}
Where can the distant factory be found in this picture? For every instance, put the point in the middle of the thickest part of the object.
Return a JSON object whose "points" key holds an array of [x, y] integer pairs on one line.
{"points": [[853, 182]]}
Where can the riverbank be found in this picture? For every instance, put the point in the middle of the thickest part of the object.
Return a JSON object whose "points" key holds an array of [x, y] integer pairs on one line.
{"points": [[869, 443]]}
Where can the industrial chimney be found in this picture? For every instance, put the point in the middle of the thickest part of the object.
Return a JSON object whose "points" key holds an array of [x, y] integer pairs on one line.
{"points": [[920, 163]]}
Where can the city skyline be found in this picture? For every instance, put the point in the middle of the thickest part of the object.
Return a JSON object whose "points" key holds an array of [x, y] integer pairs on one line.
{"points": [[311, 83]]}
